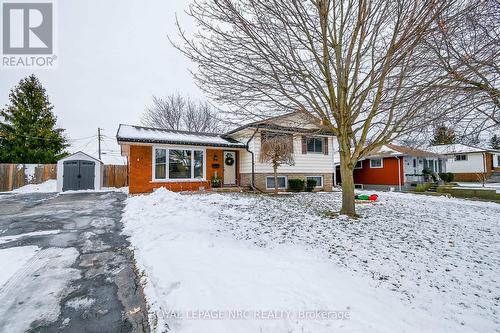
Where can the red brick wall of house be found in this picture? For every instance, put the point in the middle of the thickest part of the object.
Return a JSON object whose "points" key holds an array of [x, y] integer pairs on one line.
{"points": [[388, 175], [140, 174]]}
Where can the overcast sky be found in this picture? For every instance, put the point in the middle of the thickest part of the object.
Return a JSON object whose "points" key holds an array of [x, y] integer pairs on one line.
{"points": [[112, 57]]}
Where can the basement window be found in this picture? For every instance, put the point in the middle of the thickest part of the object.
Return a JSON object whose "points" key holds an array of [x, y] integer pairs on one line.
{"points": [[282, 182], [318, 179]]}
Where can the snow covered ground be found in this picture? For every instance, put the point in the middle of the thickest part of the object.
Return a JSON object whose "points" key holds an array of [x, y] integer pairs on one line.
{"points": [[492, 186], [51, 186], [247, 263], [45, 187]]}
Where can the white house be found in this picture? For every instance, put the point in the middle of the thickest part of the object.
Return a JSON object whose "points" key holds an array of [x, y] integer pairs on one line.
{"points": [[180, 160], [469, 163]]}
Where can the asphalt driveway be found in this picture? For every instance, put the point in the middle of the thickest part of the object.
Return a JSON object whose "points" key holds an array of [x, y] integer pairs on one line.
{"points": [[67, 268]]}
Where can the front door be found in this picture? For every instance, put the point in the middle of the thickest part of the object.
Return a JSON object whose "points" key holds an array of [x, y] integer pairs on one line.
{"points": [[229, 168]]}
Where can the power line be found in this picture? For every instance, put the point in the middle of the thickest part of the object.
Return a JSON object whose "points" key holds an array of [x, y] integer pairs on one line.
{"points": [[84, 138], [48, 139]]}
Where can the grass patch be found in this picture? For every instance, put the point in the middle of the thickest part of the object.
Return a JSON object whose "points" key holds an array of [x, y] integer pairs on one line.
{"points": [[423, 187]]}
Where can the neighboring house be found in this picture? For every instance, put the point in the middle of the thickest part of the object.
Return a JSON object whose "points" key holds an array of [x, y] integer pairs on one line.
{"points": [[396, 167], [179, 160], [468, 163]]}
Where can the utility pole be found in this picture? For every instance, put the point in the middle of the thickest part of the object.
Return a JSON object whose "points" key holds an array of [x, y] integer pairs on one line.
{"points": [[99, 141]]}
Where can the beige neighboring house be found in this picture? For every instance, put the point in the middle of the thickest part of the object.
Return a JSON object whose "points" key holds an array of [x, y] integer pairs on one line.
{"points": [[469, 163]]}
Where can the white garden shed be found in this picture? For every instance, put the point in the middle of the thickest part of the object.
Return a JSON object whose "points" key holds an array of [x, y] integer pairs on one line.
{"points": [[79, 171]]}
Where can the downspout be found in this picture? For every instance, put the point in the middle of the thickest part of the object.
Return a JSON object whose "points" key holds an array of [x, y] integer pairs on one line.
{"points": [[334, 166], [252, 185], [399, 173], [483, 179]]}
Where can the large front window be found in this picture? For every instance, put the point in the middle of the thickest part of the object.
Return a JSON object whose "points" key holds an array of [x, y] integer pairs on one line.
{"points": [[179, 164], [182, 164]]}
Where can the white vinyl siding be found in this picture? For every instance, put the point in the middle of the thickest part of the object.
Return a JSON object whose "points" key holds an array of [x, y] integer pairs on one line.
{"points": [[473, 164], [304, 163]]}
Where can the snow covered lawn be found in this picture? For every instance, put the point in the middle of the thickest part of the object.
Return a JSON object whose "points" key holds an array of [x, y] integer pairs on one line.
{"points": [[255, 263], [488, 186]]}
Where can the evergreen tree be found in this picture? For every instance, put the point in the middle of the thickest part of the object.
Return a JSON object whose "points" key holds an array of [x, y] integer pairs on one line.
{"points": [[495, 142], [28, 132], [443, 136]]}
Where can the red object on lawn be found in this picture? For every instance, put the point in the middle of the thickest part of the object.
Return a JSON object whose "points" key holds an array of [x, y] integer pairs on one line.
{"points": [[373, 197]]}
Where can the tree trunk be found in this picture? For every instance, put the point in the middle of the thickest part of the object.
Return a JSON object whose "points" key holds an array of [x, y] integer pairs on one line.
{"points": [[275, 170], [346, 172]]}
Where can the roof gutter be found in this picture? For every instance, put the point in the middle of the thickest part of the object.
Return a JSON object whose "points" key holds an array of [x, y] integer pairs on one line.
{"points": [[178, 143]]}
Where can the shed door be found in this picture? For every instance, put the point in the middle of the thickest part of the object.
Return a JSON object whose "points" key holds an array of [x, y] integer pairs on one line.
{"points": [[87, 175], [78, 175]]}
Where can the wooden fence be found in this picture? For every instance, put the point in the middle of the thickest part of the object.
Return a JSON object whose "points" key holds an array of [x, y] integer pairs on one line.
{"points": [[13, 176], [115, 176]]}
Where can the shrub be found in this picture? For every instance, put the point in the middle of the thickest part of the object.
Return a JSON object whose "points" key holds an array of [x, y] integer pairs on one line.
{"points": [[447, 177], [310, 185], [426, 171], [216, 181], [296, 185], [444, 177], [451, 177]]}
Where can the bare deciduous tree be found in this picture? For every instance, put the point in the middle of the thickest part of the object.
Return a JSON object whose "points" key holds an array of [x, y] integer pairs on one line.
{"points": [[467, 51], [357, 65], [277, 150], [181, 113]]}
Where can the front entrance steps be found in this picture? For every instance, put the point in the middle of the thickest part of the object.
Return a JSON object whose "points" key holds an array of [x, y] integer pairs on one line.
{"points": [[433, 188]]}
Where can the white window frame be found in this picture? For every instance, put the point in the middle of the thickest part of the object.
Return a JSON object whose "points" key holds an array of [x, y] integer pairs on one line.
{"points": [[280, 188], [359, 167], [167, 166], [464, 160], [322, 145], [318, 176], [376, 159]]}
